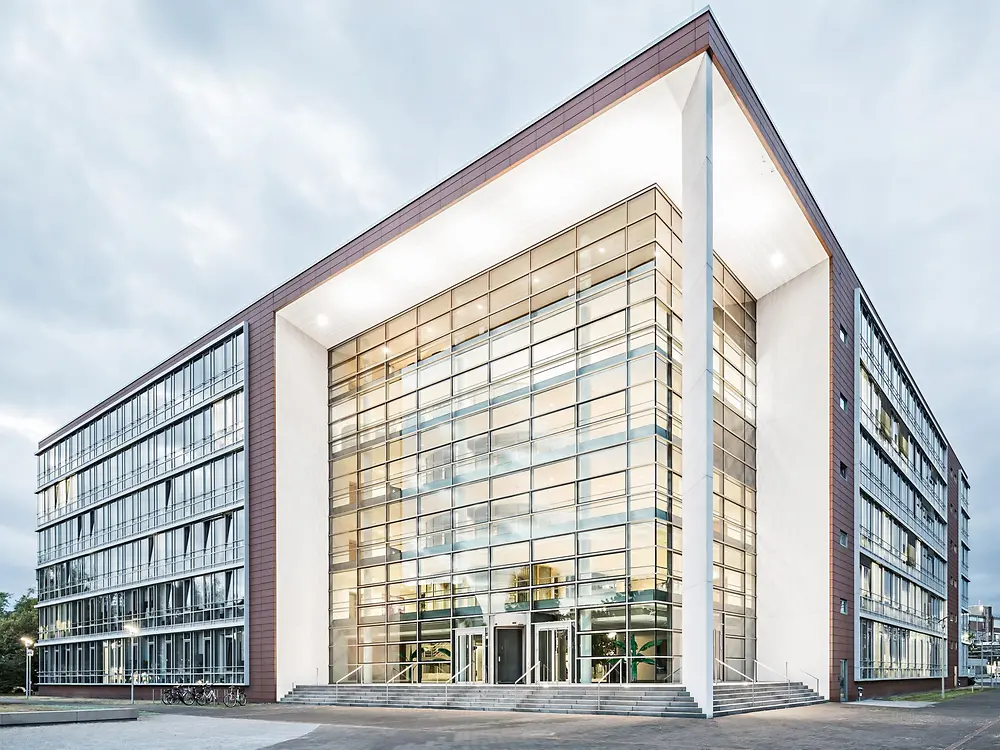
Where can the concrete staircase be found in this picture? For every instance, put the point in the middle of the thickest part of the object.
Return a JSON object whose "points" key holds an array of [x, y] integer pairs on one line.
{"points": [[744, 697], [620, 700]]}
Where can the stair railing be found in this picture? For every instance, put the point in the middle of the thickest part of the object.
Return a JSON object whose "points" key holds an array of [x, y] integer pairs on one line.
{"points": [[393, 679], [453, 678], [753, 682], [336, 687], [530, 670], [604, 679], [788, 683], [815, 678]]}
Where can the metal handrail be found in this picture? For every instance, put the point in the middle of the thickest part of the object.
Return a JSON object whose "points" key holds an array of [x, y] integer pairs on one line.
{"points": [[530, 670], [785, 676], [393, 679], [457, 675], [788, 683], [604, 679], [336, 685], [753, 682], [815, 678], [453, 678]]}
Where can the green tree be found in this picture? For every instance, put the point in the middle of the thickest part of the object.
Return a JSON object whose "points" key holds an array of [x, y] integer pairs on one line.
{"points": [[16, 621]]}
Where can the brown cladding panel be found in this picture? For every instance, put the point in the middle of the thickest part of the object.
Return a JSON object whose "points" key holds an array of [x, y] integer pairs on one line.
{"points": [[954, 575]]}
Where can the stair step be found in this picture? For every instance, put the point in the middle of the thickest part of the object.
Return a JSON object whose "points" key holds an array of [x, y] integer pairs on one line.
{"points": [[651, 700]]}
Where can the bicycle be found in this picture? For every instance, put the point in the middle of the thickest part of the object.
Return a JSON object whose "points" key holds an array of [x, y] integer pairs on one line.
{"points": [[189, 694], [234, 696], [207, 696], [171, 695]]}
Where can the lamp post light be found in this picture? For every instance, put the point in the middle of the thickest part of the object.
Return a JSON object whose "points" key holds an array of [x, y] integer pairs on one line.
{"points": [[944, 670], [28, 653], [133, 632]]}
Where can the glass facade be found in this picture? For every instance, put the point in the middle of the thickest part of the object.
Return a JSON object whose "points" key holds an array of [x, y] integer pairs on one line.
{"points": [[734, 441], [505, 468], [901, 517], [142, 528]]}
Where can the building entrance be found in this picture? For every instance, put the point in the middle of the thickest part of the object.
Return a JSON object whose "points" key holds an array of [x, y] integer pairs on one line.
{"points": [[470, 655], [509, 665], [554, 652]]}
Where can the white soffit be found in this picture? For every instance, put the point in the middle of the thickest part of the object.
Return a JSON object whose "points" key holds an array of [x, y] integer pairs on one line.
{"points": [[760, 230], [630, 146]]}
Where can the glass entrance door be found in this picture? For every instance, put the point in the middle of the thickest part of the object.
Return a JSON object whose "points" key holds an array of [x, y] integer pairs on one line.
{"points": [[470, 655], [554, 652]]}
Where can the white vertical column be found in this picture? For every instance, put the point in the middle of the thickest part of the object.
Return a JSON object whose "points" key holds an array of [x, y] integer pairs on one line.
{"points": [[696, 480], [302, 512]]}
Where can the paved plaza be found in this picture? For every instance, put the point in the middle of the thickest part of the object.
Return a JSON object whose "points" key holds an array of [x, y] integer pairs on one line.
{"points": [[968, 723]]}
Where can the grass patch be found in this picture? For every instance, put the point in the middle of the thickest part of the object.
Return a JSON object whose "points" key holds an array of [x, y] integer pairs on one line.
{"points": [[935, 695]]}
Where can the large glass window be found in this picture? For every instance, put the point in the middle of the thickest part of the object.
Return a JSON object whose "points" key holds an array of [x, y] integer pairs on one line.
{"points": [[509, 452], [735, 475]]}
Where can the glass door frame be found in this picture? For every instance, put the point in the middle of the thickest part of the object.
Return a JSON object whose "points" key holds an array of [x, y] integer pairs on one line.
{"points": [[465, 634], [567, 627]]}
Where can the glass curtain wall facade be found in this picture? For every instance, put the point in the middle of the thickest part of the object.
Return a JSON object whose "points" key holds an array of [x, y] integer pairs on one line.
{"points": [[142, 528], [505, 466], [735, 476], [902, 515]]}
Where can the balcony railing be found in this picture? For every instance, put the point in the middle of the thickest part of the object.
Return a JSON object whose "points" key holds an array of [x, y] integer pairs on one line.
{"points": [[929, 489], [892, 671], [884, 552], [885, 384], [184, 564], [139, 476], [874, 486], [896, 613], [146, 524], [113, 626], [149, 422]]}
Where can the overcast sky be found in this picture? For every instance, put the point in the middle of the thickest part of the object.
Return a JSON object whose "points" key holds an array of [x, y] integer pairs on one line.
{"points": [[164, 164]]}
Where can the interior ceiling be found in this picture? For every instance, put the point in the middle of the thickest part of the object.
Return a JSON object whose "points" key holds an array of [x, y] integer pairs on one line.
{"points": [[760, 231]]}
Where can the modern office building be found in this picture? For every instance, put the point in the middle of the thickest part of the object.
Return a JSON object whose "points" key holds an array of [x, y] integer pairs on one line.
{"points": [[609, 397]]}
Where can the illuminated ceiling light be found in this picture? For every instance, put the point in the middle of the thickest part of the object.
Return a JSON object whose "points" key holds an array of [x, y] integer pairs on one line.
{"points": [[777, 260], [322, 321]]}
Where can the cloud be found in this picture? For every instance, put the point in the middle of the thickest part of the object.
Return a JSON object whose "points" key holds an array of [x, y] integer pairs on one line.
{"points": [[166, 163], [28, 427]]}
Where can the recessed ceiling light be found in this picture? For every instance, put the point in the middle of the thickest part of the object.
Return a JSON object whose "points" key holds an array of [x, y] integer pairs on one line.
{"points": [[777, 260], [322, 320]]}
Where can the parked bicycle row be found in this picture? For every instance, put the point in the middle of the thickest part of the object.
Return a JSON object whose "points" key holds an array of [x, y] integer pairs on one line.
{"points": [[204, 694]]}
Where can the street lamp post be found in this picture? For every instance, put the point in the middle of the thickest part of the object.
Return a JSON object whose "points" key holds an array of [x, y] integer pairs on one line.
{"points": [[944, 670], [133, 632], [28, 653]]}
